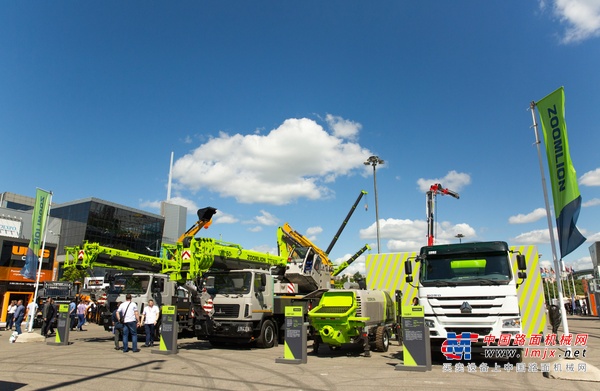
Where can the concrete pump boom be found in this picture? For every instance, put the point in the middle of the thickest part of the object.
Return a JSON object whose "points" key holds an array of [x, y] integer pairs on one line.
{"points": [[433, 191]]}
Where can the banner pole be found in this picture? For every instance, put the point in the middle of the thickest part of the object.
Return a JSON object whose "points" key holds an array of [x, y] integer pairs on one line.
{"points": [[550, 225]]}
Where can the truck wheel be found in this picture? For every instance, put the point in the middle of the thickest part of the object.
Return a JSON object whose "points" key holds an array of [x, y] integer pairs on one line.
{"points": [[382, 339], [267, 335]]}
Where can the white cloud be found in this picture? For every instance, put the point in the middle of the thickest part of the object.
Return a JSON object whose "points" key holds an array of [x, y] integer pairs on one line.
{"points": [[581, 17], [294, 161], [539, 236], [257, 228], [454, 181], [343, 128], [312, 232], [592, 202], [266, 218], [537, 214], [224, 218], [411, 235], [590, 178]]}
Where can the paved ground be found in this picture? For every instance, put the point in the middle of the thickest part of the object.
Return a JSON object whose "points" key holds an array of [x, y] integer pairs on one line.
{"points": [[91, 363]]}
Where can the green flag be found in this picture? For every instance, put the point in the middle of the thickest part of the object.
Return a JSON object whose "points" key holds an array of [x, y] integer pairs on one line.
{"points": [[38, 222], [565, 191]]}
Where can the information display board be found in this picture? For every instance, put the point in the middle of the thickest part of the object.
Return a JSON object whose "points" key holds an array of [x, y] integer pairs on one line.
{"points": [[168, 330], [416, 348], [294, 350], [62, 326]]}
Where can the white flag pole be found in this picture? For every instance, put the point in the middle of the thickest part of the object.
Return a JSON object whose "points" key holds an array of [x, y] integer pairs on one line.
{"points": [[557, 267]]}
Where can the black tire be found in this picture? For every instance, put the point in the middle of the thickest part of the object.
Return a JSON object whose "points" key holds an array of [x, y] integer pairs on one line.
{"points": [[382, 339], [267, 336]]}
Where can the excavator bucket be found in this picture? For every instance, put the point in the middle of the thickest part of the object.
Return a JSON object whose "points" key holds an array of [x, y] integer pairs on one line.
{"points": [[205, 214]]}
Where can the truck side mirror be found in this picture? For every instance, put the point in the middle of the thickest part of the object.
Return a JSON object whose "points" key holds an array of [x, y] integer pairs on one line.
{"points": [[263, 282], [521, 263], [408, 270]]}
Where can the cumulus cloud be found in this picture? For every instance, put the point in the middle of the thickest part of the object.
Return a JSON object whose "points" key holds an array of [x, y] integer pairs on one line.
{"points": [[266, 218], [293, 161], [537, 214], [539, 236], [411, 235], [224, 218], [590, 178], [343, 128], [592, 202], [580, 17], [454, 181], [312, 232]]}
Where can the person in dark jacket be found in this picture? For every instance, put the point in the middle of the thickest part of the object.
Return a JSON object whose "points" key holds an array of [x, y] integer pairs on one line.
{"points": [[554, 315], [48, 314]]}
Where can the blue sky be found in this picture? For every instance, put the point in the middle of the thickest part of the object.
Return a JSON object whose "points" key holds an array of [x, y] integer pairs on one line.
{"points": [[271, 108]]}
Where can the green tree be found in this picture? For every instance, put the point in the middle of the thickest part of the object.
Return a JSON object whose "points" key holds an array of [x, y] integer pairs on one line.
{"points": [[73, 274]]}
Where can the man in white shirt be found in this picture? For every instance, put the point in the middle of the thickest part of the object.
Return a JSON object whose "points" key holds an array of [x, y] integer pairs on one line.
{"points": [[129, 315], [31, 314], [149, 319]]}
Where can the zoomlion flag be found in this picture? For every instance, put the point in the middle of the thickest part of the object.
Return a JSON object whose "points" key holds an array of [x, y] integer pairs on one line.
{"points": [[38, 220], [567, 200]]}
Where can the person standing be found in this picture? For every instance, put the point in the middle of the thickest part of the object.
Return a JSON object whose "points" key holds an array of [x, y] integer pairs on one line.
{"points": [[31, 313], [117, 327], [128, 311], [149, 319], [72, 314], [81, 310], [10, 318], [19, 315], [47, 316]]}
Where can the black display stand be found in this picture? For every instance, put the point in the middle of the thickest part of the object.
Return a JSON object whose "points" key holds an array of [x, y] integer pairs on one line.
{"points": [[416, 348], [168, 330], [294, 350], [63, 326]]}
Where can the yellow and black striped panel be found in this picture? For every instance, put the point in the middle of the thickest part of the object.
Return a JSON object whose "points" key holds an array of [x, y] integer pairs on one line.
{"points": [[386, 272], [530, 291]]}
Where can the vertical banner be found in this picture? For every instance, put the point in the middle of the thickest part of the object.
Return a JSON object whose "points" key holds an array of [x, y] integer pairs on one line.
{"points": [[38, 220], [565, 191]]}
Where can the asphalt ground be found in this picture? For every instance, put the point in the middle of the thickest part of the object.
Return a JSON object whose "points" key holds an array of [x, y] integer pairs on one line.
{"points": [[90, 362]]}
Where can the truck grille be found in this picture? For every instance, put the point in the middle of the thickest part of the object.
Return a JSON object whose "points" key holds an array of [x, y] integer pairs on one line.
{"points": [[227, 310], [478, 330]]}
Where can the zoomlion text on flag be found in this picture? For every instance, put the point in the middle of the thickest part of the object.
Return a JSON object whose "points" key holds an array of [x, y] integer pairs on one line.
{"points": [[565, 191], [38, 220]]}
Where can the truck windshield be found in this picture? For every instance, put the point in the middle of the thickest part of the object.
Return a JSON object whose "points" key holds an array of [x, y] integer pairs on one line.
{"points": [[477, 269], [232, 283], [130, 284]]}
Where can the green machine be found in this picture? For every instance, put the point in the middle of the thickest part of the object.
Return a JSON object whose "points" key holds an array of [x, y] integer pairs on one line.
{"points": [[353, 316]]}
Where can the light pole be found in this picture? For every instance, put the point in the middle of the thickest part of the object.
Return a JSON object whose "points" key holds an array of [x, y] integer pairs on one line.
{"points": [[460, 236], [374, 161]]}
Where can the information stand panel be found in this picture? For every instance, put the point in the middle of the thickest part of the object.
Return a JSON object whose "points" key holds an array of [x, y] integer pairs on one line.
{"points": [[416, 348], [62, 327], [168, 330], [294, 350]]}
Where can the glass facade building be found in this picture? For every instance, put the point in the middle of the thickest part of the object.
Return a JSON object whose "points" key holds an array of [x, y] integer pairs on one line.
{"points": [[108, 224]]}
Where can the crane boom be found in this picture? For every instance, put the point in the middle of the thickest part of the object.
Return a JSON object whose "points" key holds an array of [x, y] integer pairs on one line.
{"points": [[339, 232], [347, 263]]}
